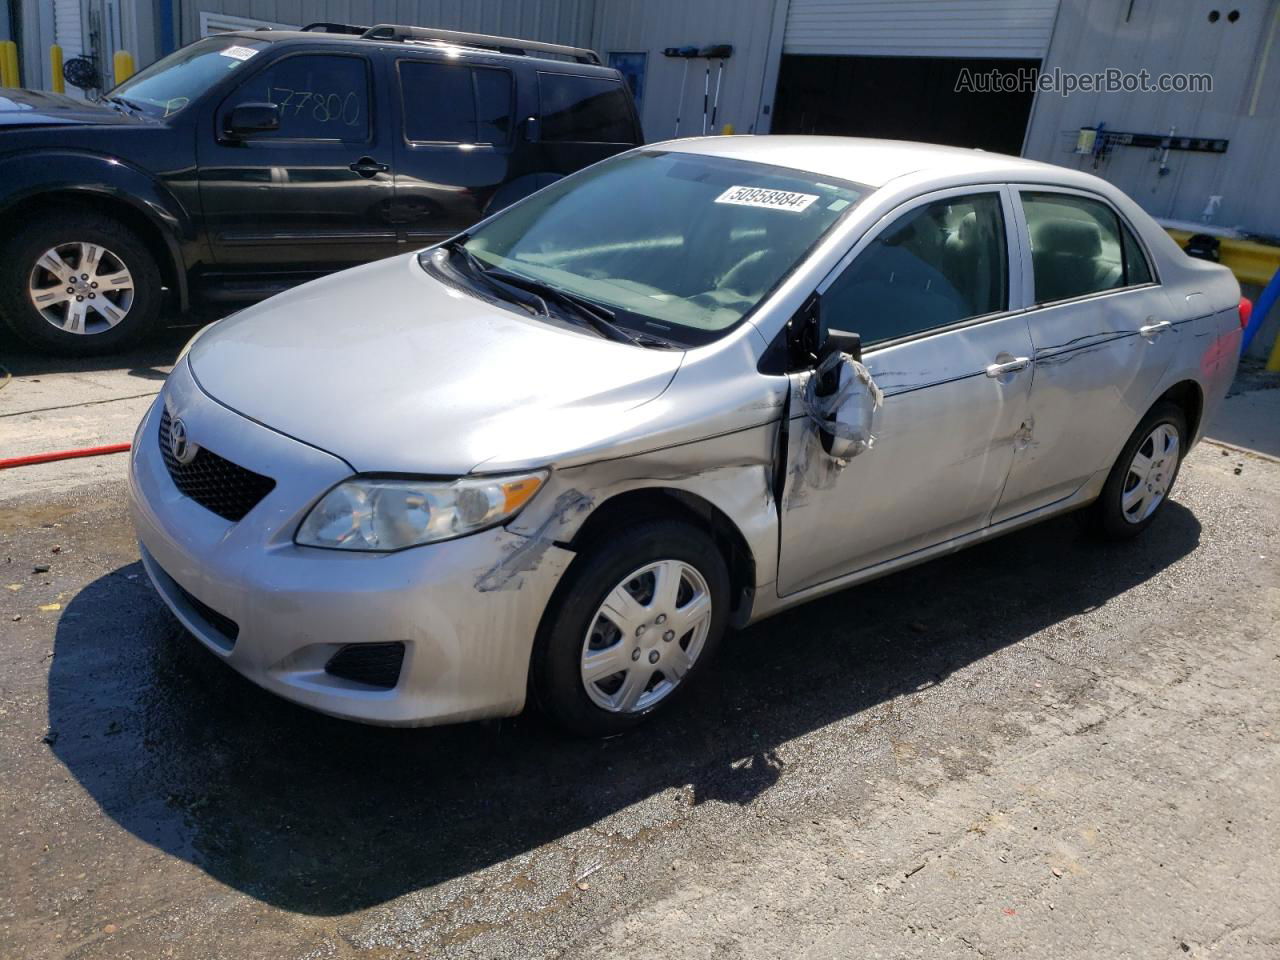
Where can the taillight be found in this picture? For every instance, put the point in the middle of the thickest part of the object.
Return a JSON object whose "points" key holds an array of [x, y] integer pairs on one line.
{"points": [[1246, 311]]}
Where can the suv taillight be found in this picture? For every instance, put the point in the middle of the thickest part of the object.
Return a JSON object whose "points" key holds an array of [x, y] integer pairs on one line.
{"points": [[1246, 311]]}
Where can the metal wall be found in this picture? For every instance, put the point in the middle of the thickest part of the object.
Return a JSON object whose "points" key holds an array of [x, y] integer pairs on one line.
{"points": [[561, 21], [649, 27], [920, 28], [1171, 36]]}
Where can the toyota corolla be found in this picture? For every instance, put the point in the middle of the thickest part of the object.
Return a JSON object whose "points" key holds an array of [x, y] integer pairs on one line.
{"points": [[560, 455]]}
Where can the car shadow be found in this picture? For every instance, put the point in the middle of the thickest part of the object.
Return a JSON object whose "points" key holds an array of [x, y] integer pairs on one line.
{"points": [[148, 361], [321, 816]]}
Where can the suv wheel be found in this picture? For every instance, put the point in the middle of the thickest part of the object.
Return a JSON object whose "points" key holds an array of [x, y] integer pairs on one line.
{"points": [[636, 618], [78, 285]]}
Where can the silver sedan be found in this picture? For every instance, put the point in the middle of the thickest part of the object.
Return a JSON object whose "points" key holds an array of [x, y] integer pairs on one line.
{"points": [[561, 455]]}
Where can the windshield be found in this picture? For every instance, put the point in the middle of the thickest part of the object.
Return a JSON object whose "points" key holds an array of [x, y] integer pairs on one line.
{"points": [[170, 84], [678, 245]]}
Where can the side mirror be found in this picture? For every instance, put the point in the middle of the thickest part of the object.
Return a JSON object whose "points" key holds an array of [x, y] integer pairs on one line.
{"points": [[842, 397], [250, 118]]}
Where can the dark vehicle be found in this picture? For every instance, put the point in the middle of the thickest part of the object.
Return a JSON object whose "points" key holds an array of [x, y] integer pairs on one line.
{"points": [[249, 162]]}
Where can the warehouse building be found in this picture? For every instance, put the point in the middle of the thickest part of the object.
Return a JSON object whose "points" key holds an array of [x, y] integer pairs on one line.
{"points": [[890, 68]]}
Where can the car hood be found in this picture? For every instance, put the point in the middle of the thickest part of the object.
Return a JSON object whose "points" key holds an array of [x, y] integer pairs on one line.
{"points": [[395, 371], [34, 108]]}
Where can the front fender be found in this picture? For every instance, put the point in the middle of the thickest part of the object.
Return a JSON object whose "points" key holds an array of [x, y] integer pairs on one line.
{"points": [[30, 174]]}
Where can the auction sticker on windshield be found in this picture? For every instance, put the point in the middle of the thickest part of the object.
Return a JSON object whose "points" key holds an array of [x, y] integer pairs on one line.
{"points": [[238, 53], [764, 197]]}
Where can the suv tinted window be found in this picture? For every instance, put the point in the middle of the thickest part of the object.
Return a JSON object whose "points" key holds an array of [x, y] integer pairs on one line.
{"points": [[451, 103], [584, 109], [321, 97], [934, 266], [1075, 247]]}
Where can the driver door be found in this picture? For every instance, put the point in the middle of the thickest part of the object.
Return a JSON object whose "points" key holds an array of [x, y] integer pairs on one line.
{"points": [[929, 290]]}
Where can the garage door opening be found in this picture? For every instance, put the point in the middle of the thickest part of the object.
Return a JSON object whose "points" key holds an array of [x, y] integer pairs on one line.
{"points": [[901, 98]]}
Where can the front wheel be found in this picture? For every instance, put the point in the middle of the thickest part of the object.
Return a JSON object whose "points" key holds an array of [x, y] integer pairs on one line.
{"points": [[637, 617], [78, 285], [1143, 475]]}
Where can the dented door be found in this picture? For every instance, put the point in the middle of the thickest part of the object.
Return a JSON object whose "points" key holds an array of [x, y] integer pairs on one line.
{"points": [[929, 290], [944, 445], [1100, 355]]}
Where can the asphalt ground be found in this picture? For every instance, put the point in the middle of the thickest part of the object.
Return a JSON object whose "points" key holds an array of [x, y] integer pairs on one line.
{"points": [[1041, 746]]}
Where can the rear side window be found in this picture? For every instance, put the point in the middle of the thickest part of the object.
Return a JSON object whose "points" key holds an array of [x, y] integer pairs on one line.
{"points": [[584, 109], [451, 103], [1079, 247], [934, 266], [321, 97]]}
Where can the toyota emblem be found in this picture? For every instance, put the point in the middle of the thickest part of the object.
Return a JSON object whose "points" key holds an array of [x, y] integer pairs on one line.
{"points": [[183, 450]]}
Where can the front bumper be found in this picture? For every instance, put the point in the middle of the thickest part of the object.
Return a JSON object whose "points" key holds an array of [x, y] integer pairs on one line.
{"points": [[467, 623]]}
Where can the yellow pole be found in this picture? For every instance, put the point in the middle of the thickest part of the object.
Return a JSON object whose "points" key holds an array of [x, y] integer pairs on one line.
{"points": [[8, 64], [123, 62], [1273, 362], [55, 67]]}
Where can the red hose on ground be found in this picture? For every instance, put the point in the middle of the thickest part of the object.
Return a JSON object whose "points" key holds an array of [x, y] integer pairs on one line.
{"points": [[63, 455]]}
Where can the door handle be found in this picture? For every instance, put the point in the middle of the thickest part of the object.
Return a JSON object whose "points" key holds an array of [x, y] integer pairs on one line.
{"points": [[1009, 366], [1154, 329], [368, 167]]}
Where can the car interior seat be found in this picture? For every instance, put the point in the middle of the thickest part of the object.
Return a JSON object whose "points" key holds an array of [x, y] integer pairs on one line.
{"points": [[1067, 256]]}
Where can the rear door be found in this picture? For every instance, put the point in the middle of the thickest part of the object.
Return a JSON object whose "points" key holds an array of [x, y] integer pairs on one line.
{"points": [[1104, 332], [929, 291], [316, 193], [581, 119], [454, 139]]}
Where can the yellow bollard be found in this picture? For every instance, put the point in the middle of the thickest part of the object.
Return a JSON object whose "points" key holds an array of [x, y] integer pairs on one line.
{"points": [[9, 64], [123, 63], [1273, 362], [727, 130], [55, 67]]}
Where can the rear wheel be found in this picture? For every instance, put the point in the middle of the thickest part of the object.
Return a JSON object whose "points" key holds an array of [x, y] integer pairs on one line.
{"points": [[1143, 475], [636, 618], [78, 285]]}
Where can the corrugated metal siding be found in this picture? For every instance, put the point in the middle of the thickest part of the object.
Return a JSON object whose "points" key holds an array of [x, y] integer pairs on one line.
{"points": [[920, 28], [1168, 37], [559, 21], [649, 27]]}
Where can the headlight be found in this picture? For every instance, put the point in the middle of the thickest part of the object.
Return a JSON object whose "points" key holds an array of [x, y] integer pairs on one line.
{"points": [[368, 513]]}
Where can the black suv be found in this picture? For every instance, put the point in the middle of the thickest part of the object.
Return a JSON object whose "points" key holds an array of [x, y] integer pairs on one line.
{"points": [[248, 162]]}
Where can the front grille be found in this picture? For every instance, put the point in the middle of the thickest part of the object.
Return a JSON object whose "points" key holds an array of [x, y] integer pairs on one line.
{"points": [[224, 625], [217, 484], [373, 664]]}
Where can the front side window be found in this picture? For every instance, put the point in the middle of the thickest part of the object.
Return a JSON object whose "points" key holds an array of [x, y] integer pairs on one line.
{"points": [[937, 265], [1080, 247], [169, 85], [452, 103], [320, 96], [584, 109], [679, 245]]}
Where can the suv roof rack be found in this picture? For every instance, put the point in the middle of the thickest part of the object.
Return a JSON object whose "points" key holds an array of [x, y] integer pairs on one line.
{"points": [[328, 26], [392, 31]]}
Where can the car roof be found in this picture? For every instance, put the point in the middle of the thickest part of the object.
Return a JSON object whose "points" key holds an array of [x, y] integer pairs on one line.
{"points": [[313, 37], [870, 162]]}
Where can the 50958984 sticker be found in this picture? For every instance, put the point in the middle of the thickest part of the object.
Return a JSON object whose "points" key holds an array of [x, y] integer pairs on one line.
{"points": [[768, 198]]}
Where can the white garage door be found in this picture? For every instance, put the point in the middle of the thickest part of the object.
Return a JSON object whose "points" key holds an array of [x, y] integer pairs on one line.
{"points": [[68, 32], [920, 28]]}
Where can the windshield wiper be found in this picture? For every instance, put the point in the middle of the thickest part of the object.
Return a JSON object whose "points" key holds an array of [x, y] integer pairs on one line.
{"points": [[129, 106], [481, 271], [599, 318]]}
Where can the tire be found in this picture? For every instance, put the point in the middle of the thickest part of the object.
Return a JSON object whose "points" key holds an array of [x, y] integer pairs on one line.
{"points": [[575, 625], [1123, 510], [110, 317]]}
